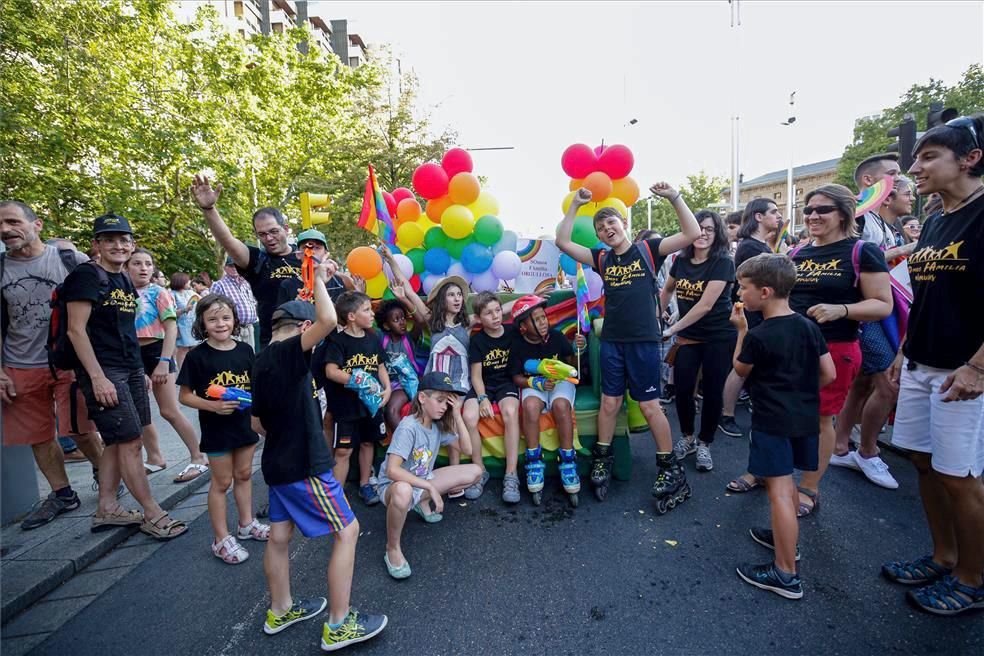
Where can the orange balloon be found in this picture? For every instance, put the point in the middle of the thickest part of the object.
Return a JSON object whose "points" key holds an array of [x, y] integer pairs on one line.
{"points": [[436, 207], [576, 183], [600, 186], [626, 190], [408, 210], [365, 262], [464, 188]]}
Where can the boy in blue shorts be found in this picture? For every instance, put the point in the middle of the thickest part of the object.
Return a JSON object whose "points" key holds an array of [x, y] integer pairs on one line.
{"points": [[785, 361], [297, 466]]}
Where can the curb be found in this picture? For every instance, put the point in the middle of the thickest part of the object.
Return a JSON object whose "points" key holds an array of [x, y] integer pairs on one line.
{"points": [[94, 551]]}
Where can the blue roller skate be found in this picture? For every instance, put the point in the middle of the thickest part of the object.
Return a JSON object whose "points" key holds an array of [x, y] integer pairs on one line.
{"points": [[568, 475], [534, 474]]}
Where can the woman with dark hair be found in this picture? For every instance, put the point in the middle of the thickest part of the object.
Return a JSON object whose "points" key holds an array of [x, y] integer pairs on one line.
{"points": [[940, 371], [911, 228], [185, 300], [701, 277]]}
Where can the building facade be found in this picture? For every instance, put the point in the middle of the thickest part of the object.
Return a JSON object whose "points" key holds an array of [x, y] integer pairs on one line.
{"points": [[773, 185]]}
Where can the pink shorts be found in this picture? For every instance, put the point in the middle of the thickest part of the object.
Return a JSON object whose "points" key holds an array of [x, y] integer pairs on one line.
{"points": [[847, 363], [41, 400]]}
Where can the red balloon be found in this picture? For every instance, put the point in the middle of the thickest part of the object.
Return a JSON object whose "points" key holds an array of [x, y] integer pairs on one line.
{"points": [[457, 160], [401, 193], [415, 282], [579, 160], [430, 180], [616, 161], [600, 149], [390, 203]]}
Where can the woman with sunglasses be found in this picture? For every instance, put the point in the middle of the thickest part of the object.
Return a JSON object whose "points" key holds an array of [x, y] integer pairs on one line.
{"points": [[940, 370], [911, 228]]}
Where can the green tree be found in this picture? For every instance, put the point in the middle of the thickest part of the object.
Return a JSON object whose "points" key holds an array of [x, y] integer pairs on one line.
{"points": [[871, 134], [701, 191]]}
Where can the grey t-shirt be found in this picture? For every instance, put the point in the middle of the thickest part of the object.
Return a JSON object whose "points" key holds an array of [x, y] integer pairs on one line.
{"points": [[26, 287], [876, 231], [417, 446]]}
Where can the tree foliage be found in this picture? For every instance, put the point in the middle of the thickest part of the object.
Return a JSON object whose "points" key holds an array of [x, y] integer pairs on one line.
{"points": [[119, 112], [701, 191], [871, 134]]}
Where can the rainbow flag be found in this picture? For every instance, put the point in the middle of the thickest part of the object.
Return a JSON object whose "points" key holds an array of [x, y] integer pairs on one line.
{"points": [[782, 236], [374, 216], [581, 295]]}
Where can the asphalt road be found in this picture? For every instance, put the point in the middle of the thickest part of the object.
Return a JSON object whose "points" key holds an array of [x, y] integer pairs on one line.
{"points": [[605, 578]]}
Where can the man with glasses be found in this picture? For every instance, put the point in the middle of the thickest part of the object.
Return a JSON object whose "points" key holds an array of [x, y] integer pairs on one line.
{"points": [[32, 395], [338, 284]]}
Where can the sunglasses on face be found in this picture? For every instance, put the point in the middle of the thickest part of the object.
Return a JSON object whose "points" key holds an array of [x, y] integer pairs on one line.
{"points": [[819, 209]]}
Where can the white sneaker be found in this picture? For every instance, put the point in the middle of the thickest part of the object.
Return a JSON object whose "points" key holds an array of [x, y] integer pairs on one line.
{"points": [[876, 471], [846, 460]]}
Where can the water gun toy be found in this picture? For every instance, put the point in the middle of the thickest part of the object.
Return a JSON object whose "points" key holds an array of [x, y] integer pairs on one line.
{"points": [[221, 393], [552, 369]]}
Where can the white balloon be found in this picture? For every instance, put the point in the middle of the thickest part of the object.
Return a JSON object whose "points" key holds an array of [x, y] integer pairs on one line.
{"points": [[485, 282], [508, 242], [405, 264], [506, 265]]}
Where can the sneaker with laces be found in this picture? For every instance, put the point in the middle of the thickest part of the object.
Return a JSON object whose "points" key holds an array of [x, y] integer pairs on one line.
{"points": [[729, 426], [48, 508], [847, 460], [744, 398], [473, 492], [876, 471], [357, 627], [669, 394], [303, 609], [764, 537], [510, 488], [704, 462], [766, 577], [684, 447], [369, 495]]}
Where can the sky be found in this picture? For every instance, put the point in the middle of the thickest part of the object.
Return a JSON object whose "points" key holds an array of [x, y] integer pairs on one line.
{"points": [[539, 76]]}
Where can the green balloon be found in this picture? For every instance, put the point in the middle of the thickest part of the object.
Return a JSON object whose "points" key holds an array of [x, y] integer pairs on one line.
{"points": [[416, 256], [388, 294], [435, 238], [488, 230], [584, 232], [457, 246]]}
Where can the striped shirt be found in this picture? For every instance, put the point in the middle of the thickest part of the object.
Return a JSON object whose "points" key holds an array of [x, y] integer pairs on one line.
{"points": [[236, 288]]}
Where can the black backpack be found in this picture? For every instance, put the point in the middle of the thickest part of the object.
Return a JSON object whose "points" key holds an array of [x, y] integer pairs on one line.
{"points": [[61, 353]]}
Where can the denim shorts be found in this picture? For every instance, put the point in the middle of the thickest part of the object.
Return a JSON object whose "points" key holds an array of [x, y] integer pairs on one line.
{"points": [[771, 455]]}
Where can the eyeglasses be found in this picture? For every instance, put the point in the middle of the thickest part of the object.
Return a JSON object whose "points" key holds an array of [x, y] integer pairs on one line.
{"points": [[965, 122], [819, 209], [269, 233], [708, 230]]}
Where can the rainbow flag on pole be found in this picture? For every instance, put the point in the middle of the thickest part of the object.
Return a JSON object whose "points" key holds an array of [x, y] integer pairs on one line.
{"points": [[581, 294], [782, 236], [374, 216]]}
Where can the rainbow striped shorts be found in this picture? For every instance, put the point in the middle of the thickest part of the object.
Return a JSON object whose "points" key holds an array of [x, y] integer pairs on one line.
{"points": [[316, 504]]}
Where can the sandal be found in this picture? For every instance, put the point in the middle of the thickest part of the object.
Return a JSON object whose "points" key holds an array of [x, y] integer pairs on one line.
{"points": [[254, 531], [229, 551], [153, 469], [741, 485], [805, 509], [155, 529], [118, 517], [921, 571], [198, 470], [431, 518], [948, 596]]}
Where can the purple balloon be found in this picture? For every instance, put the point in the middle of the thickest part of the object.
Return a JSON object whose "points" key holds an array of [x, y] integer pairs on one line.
{"points": [[595, 284], [458, 269], [506, 265], [485, 282], [427, 282]]}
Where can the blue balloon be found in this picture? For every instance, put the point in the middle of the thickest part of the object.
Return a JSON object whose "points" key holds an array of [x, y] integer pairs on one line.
{"points": [[476, 258], [568, 264], [437, 261], [395, 249]]}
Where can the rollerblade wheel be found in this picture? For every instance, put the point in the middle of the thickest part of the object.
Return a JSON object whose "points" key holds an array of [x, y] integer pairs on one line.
{"points": [[537, 498], [601, 492], [573, 500]]}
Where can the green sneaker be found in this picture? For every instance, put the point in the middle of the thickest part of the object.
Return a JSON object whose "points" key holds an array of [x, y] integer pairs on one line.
{"points": [[303, 609], [355, 628]]}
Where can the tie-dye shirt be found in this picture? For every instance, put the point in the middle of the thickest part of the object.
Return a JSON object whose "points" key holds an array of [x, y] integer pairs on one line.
{"points": [[156, 306]]}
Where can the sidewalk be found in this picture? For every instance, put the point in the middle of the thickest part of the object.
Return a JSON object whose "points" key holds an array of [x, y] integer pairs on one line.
{"points": [[33, 563]]}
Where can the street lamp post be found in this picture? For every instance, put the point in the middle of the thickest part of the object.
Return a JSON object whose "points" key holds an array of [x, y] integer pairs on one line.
{"points": [[790, 190]]}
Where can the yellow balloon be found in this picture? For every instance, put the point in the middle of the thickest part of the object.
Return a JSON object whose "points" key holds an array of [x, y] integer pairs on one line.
{"points": [[425, 223], [376, 287], [616, 204], [485, 205], [588, 209], [566, 204], [410, 234], [458, 221], [403, 247]]}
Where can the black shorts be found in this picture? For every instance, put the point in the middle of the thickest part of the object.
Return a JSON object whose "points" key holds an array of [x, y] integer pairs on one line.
{"points": [[151, 356], [771, 456], [350, 433], [125, 421], [496, 394]]}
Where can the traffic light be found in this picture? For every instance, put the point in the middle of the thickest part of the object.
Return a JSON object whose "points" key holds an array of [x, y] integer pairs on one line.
{"points": [[905, 134], [939, 115], [310, 203]]}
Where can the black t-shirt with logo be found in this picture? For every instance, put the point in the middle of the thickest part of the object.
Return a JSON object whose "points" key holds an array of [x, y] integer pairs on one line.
{"points": [[556, 348], [947, 273], [111, 327], [825, 274], [493, 354], [286, 403], [691, 283], [785, 381], [349, 353], [630, 295], [289, 289], [265, 273], [204, 366]]}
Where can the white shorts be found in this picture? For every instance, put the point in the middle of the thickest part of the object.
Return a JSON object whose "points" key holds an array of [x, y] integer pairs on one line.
{"points": [[562, 390], [952, 432]]}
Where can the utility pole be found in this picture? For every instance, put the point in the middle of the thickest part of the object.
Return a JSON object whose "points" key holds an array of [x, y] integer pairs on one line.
{"points": [[790, 190]]}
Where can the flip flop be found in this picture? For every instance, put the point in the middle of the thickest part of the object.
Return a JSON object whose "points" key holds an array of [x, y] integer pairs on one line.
{"points": [[153, 469], [189, 468], [401, 572], [432, 518], [740, 485]]}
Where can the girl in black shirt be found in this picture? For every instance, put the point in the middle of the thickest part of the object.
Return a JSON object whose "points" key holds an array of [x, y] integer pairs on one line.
{"points": [[701, 277]]}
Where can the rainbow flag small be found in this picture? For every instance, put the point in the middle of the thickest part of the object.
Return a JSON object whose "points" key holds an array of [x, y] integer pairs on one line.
{"points": [[782, 236], [581, 294], [374, 216]]}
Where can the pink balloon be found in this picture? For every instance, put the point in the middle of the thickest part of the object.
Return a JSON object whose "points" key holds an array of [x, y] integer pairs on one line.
{"points": [[600, 149], [430, 180], [457, 160], [595, 284], [390, 203], [616, 161], [401, 193], [578, 160]]}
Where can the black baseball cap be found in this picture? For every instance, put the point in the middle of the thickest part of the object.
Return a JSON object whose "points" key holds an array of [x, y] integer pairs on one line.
{"points": [[111, 223], [437, 382], [298, 310]]}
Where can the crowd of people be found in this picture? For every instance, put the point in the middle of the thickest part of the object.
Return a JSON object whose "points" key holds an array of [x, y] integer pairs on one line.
{"points": [[317, 370]]}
